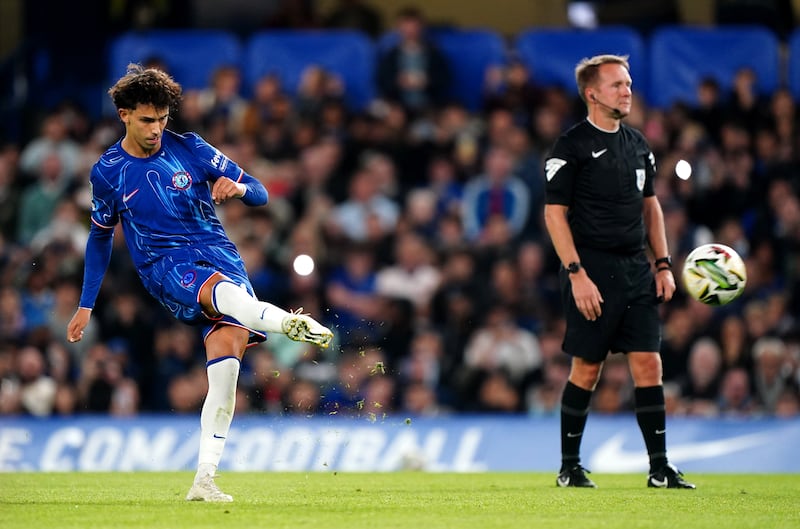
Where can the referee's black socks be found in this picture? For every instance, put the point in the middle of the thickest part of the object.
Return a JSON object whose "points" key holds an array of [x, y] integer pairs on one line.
{"points": [[574, 411], [651, 416]]}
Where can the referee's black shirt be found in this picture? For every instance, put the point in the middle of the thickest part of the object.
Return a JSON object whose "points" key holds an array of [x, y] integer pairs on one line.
{"points": [[602, 178]]}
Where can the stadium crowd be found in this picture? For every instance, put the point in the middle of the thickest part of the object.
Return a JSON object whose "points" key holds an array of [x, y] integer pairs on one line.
{"points": [[424, 221]]}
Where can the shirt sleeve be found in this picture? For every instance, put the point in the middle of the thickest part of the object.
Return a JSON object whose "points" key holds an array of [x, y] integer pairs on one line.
{"points": [[217, 164], [560, 170], [101, 234], [650, 173], [98, 255]]}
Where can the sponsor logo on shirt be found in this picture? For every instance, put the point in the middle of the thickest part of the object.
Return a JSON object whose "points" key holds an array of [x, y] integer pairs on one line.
{"points": [[640, 179], [219, 161]]}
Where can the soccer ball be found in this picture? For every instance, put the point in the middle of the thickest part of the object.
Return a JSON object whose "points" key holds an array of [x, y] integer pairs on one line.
{"points": [[714, 274]]}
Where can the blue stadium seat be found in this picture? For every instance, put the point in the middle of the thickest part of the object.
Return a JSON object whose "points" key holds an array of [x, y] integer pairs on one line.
{"points": [[190, 55], [793, 67], [680, 57], [287, 53], [468, 53], [552, 54]]}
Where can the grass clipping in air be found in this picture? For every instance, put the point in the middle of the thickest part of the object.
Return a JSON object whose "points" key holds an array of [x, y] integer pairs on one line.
{"points": [[330, 500]]}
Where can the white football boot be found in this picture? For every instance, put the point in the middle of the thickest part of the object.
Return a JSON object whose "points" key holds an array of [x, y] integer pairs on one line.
{"points": [[303, 328], [204, 489]]}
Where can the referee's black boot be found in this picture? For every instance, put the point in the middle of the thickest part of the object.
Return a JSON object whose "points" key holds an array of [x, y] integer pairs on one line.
{"points": [[574, 477], [668, 477]]}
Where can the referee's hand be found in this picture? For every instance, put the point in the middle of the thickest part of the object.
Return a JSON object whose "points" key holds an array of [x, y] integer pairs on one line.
{"points": [[665, 285], [586, 295]]}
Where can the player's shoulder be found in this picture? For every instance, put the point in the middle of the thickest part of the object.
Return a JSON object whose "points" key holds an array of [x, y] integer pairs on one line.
{"points": [[184, 139], [109, 162]]}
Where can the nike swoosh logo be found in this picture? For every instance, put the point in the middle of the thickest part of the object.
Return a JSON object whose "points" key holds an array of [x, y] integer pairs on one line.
{"points": [[611, 456], [658, 482], [127, 197], [570, 434], [659, 432], [564, 482], [598, 154], [215, 436]]}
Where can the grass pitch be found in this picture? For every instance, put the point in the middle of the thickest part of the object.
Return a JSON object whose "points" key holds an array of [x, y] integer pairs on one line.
{"points": [[394, 500]]}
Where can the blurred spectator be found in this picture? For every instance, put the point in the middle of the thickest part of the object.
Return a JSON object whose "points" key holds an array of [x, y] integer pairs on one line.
{"points": [[66, 228], [500, 344], [771, 374], [735, 397], [544, 397], [33, 391], [317, 87], [710, 110], [222, 103], [367, 214], [352, 294], [496, 194], [260, 108], [39, 200], [496, 393], [357, 15], [733, 340], [414, 275], [413, 71], [701, 384], [302, 397], [512, 87], [52, 142], [420, 399]]}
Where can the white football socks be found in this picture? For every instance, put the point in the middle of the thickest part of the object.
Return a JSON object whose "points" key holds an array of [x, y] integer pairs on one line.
{"points": [[217, 413], [234, 301]]}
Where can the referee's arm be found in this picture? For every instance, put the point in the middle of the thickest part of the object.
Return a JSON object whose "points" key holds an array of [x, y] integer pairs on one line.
{"points": [[654, 224], [555, 218], [585, 293], [657, 238]]}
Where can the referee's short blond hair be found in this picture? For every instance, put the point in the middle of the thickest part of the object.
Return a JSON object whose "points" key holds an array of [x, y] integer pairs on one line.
{"points": [[588, 69]]}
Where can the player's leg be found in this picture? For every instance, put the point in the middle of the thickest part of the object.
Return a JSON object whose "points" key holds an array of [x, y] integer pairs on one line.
{"points": [[651, 415], [575, 402], [223, 296], [224, 350]]}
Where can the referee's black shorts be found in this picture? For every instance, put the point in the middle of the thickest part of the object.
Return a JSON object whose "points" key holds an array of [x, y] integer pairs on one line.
{"points": [[629, 321]]}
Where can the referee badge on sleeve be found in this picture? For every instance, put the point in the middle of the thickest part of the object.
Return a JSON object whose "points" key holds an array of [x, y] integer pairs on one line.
{"points": [[552, 166], [640, 179]]}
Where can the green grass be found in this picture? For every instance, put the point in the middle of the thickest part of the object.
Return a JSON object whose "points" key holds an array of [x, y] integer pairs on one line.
{"points": [[394, 500]]}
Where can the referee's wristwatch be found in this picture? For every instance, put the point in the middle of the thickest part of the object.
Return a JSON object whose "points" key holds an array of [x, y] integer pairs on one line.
{"points": [[573, 267], [664, 263]]}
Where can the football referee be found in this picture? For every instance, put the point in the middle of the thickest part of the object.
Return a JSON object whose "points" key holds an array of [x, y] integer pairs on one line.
{"points": [[600, 211]]}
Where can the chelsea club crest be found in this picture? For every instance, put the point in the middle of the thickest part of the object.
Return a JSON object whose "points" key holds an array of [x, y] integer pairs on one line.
{"points": [[182, 180]]}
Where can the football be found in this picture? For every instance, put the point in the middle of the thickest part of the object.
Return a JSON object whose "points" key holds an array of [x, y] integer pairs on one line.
{"points": [[714, 274]]}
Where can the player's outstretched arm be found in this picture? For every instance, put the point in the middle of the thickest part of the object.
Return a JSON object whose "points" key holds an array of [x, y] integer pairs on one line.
{"points": [[76, 325]]}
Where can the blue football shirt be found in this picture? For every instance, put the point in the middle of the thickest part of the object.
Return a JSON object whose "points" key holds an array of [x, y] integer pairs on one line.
{"points": [[165, 207]]}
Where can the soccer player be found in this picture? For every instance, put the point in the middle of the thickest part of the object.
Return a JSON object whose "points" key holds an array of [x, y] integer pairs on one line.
{"points": [[162, 186], [601, 211]]}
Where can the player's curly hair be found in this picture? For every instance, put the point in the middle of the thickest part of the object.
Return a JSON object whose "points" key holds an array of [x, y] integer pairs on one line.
{"points": [[146, 86], [588, 69]]}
